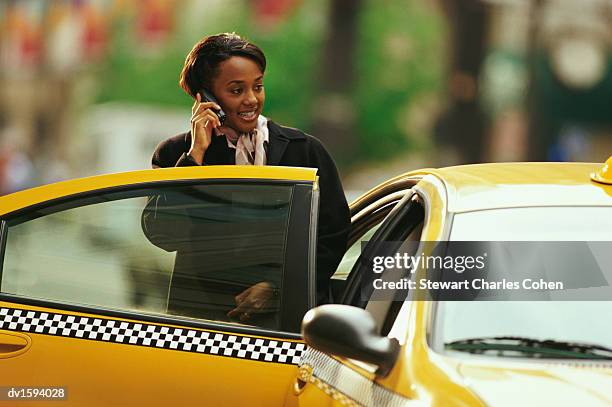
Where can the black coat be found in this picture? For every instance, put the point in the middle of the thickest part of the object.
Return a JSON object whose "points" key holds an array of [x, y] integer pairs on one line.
{"points": [[287, 147]]}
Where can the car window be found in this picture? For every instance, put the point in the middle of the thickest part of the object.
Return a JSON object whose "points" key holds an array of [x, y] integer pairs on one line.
{"points": [[352, 254], [339, 279], [186, 250], [587, 233]]}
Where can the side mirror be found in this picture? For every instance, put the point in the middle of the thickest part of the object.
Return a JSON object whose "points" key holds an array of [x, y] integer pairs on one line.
{"points": [[349, 332]]}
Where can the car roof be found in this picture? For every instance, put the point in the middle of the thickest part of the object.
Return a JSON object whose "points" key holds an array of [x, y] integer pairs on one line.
{"points": [[511, 185]]}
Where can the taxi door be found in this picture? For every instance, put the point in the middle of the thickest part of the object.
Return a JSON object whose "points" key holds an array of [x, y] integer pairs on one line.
{"points": [[125, 289]]}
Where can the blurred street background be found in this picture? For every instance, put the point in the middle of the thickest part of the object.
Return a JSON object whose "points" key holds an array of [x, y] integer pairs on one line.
{"points": [[91, 86]]}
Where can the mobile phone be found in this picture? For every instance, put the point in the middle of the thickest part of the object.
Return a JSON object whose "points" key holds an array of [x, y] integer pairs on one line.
{"points": [[208, 97]]}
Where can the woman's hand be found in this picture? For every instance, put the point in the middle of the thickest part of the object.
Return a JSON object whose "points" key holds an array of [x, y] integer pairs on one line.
{"points": [[254, 300], [203, 121]]}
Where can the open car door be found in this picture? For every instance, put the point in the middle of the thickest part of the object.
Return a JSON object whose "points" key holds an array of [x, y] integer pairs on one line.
{"points": [[121, 289]]}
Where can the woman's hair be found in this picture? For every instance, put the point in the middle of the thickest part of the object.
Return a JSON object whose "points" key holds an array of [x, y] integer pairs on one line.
{"points": [[202, 63]]}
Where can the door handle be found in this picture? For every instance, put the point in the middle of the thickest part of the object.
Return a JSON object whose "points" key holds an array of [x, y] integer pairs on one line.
{"points": [[13, 344]]}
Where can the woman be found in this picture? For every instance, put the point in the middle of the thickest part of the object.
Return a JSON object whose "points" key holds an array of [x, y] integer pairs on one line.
{"points": [[226, 73]]}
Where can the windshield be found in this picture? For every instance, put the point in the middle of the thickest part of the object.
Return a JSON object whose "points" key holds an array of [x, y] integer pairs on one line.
{"points": [[571, 321]]}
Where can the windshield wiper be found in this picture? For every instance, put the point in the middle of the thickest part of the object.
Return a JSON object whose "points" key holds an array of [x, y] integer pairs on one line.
{"points": [[537, 348]]}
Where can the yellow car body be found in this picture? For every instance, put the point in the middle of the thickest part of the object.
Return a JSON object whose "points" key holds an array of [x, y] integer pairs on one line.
{"points": [[423, 376], [96, 347]]}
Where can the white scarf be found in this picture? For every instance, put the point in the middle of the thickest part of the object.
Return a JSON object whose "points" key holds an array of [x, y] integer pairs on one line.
{"points": [[250, 147]]}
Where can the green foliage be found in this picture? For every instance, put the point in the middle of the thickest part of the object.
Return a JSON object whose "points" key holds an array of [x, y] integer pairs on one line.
{"points": [[131, 75], [400, 62], [292, 51], [138, 75]]}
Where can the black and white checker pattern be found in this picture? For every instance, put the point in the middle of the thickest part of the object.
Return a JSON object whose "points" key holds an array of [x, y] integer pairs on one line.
{"points": [[155, 336]]}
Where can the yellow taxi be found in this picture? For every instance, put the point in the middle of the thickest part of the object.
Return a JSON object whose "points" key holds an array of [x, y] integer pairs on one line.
{"points": [[414, 351], [84, 315]]}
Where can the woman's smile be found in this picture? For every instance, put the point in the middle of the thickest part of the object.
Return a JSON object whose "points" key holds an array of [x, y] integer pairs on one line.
{"points": [[249, 115]]}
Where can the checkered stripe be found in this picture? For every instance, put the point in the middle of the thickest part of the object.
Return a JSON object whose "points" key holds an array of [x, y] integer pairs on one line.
{"points": [[154, 336]]}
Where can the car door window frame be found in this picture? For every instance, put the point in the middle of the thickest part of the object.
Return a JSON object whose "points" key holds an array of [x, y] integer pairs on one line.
{"points": [[367, 212], [411, 211], [364, 221]]}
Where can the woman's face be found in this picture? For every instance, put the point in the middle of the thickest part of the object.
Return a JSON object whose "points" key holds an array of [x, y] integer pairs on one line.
{"points": [[239, 90]]}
